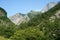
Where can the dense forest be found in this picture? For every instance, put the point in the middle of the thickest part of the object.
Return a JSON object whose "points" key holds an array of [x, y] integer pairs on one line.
{"points": [[38, 28]]}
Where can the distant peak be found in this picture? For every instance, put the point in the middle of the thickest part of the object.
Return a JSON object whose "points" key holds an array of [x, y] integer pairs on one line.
{"points": [[49, 6], [52, 3]]}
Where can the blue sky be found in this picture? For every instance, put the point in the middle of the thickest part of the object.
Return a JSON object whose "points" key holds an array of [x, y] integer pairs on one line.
{"points": [[23, 6]]}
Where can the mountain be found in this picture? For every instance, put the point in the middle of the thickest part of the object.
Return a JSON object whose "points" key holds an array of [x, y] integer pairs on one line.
{"points": [[32, 14], [18, 18], [48, 6], [51, 15], [4, 20], [44, 26], [6, 26]]}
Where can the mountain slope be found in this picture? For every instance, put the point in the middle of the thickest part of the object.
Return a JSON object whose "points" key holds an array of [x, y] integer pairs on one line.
{"points": [[19, 18], [40, 27], [45, 16], [6, 26], [50, 30], [32, 14], [48, 6]]}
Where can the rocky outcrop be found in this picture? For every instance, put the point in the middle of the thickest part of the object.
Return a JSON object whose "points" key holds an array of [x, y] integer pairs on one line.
{"points": [[56, 15], [19, 18]]}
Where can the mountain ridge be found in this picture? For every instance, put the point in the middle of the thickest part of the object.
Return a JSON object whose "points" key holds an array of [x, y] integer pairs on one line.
{"points": [[19, 18], [43, 26], [32, 13]]}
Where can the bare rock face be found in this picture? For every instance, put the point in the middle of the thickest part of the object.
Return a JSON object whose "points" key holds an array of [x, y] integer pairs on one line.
{"points": [[48, 6], [19, 18], [57, 14], [52, 18]]}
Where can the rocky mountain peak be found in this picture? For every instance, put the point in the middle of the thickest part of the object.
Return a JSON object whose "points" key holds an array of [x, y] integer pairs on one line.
{"points": [[18, 18], [48, 6]]}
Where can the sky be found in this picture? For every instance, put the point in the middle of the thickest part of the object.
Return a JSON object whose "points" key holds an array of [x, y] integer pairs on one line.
{"points": [[23, 6]]}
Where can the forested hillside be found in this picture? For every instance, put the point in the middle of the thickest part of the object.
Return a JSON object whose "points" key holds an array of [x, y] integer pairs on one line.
{"points": [[40, 27], [7, 28]]}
